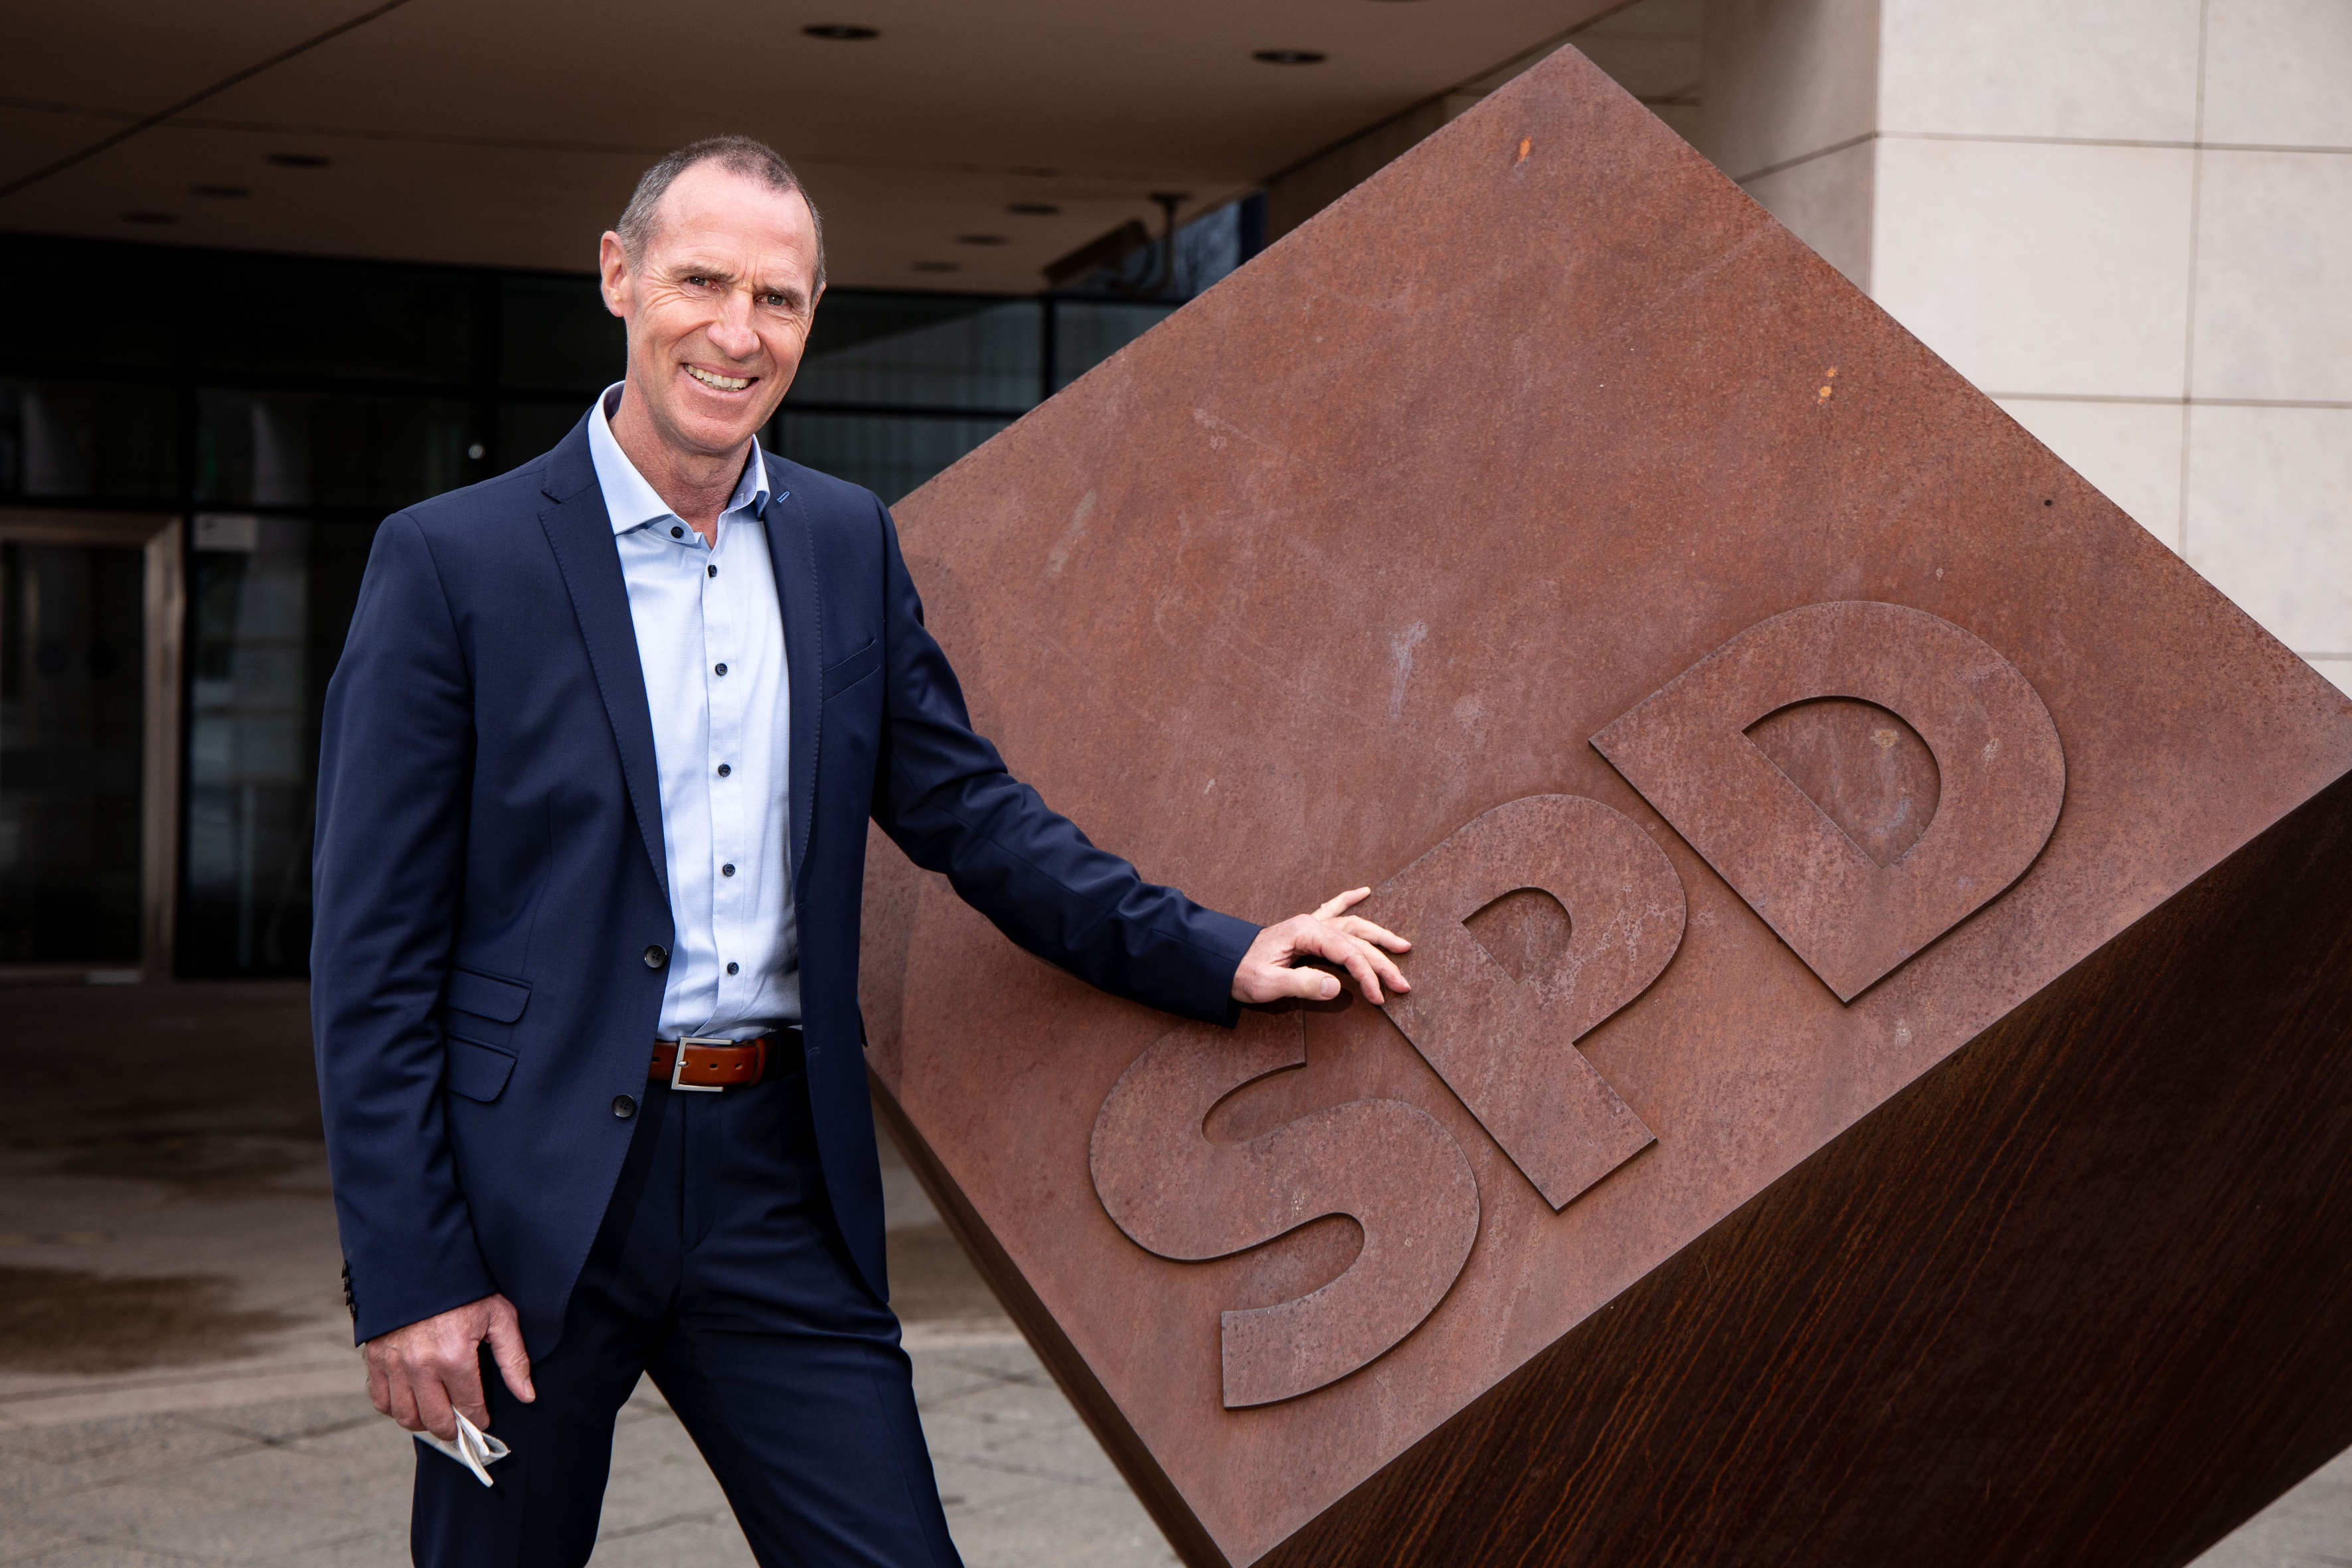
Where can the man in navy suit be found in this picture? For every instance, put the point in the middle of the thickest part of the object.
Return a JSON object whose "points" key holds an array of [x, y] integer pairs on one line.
{"points": [[595, 771]]}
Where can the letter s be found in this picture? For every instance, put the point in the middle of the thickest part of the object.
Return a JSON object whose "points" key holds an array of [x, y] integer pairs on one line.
{"points": [[1387, 1165]]}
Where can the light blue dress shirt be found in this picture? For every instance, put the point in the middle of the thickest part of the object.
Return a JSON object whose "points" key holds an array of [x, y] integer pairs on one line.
{"points": [[710, 637]]}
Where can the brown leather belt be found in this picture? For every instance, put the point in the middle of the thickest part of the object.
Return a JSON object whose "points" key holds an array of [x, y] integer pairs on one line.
{"points": [[710, 1065]]}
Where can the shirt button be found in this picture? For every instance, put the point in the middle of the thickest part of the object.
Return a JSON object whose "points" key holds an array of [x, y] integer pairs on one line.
{"points": [[656, 956], [624, 1107], [677, 533], [727, 870], [724, 770], [721, 669], [712, 571], [732, 968]]}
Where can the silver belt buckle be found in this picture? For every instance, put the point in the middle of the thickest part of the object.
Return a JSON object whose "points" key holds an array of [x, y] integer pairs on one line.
{"points": [[677, 1065]]}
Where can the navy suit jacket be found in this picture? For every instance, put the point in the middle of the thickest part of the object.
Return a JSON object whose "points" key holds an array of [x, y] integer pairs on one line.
{"points": [[491, 923]]}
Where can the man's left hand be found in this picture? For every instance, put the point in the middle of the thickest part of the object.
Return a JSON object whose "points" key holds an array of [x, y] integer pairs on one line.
{"points": [[1270, 971]]}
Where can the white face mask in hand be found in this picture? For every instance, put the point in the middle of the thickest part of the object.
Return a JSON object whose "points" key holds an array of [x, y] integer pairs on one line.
{"points": [[473, 1448]]}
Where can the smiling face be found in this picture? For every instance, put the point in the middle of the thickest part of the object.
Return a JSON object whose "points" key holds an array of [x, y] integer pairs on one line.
{"points": [[717, 306]]}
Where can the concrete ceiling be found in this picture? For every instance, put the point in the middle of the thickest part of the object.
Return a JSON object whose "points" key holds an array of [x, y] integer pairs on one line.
{"points": [[509, 134]]}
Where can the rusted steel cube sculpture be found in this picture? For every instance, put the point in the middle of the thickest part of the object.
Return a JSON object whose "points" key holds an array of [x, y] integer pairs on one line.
{"points": [[1878, 1081]]}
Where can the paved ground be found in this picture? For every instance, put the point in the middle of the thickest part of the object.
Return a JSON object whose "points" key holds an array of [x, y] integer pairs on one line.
{"points": [[323, 1480], [177, 1384]]}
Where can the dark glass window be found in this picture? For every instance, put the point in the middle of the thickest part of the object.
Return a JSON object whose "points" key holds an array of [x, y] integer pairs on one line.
{"points": [[527, 429], [72, 636], [70, 441], [1088, 331], [270, 599], [334, 449], [889, 455], [554, 332], [922, 350], [346, 320], [80, 306]]}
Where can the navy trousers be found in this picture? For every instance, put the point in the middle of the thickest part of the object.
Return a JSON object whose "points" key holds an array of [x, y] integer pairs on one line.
{"points": [[718, 1270]]}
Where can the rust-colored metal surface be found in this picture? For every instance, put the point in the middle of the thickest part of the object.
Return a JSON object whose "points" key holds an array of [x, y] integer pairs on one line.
{"points": [[2001, 775], [1867, 770], [1333, 578], [1179, 1194], [2074, 1297], [1503, 1039]]}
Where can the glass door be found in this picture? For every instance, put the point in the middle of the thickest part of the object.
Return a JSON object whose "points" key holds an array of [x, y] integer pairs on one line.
{"points": [[88, 741]]}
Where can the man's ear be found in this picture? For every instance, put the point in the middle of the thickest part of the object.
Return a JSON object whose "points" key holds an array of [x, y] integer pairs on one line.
{"points": [[613, 264]]}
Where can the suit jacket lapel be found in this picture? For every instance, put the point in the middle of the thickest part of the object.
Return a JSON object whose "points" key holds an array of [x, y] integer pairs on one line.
{"points": [[579, 531], [791, 555]]}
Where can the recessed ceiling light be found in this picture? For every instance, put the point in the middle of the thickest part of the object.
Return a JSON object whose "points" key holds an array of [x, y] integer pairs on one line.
{"points": [[147, 217], [1290, 57], [841, 32], [935, 266], [224, 193], [980, 239], [300, 161], [1031, 209]]}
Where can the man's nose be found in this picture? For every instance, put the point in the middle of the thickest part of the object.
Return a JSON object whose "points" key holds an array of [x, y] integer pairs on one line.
{"points": [[731, 334]]}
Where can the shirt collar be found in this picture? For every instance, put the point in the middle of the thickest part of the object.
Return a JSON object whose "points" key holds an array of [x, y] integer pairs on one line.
{"points": [[631, 502]]}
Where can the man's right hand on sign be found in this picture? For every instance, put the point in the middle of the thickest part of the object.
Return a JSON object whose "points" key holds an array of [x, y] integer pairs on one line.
{"points": [[1271, 972]]}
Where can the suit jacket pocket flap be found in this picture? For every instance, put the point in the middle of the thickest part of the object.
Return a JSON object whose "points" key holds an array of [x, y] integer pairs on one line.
{"points": [[852, 669], [484, 995], [477, 1071]]}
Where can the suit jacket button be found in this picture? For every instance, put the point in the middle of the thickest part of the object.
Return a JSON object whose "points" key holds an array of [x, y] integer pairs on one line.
{"points": [[656, 956], [624, 1107]]}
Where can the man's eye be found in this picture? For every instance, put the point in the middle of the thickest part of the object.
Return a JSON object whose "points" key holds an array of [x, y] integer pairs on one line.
{"points": [[697, 280]]}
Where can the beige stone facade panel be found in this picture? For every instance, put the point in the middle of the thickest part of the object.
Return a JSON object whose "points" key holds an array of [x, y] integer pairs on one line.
{"points": [[2097, 69], [2269, 517], [2274, 274], [2278, 73], [2039, 267]]}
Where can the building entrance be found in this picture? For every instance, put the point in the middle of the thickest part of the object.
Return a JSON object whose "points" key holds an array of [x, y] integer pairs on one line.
{"points": [[89, 619]]}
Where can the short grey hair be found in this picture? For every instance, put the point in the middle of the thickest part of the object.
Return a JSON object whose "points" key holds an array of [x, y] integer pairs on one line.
{"points": [[735, 155]]}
